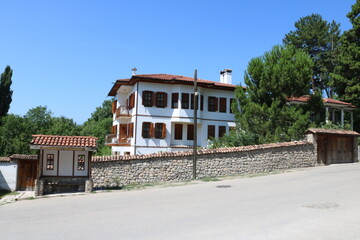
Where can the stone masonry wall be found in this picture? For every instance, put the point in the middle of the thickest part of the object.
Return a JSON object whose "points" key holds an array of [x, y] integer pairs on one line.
{"points": [[170, 167]]}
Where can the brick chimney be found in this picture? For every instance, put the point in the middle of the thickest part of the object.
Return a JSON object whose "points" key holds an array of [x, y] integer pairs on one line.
{"points": [[225, 76]]}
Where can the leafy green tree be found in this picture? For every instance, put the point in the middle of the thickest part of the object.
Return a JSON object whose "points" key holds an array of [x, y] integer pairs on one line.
{"points": [[270, 80], [5, 91], [320, 40], [15, 135], [40, 119], [315, 106], [64, 127], [98, 125], [347, 74]]}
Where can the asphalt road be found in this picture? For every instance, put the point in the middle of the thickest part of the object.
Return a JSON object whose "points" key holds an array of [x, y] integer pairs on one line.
{"points": [[315, 203]]}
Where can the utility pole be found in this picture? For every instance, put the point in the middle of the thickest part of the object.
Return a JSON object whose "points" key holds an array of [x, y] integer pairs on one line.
{"points": [[195, 124]]}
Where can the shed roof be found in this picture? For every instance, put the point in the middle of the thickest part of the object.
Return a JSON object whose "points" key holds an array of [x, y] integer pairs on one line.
{"points": [[23, 157], [64, 141], [4, 159], [332, 132]]}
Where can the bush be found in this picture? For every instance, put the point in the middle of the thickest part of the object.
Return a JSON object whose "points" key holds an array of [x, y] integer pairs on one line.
{"points": [[235, 139]]}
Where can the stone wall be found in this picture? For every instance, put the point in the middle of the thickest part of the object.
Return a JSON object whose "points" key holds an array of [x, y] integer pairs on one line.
{"points": [[114, 171]]}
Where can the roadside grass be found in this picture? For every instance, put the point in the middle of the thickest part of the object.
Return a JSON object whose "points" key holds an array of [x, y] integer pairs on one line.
{"points": [[210, 179], [7, 193]]}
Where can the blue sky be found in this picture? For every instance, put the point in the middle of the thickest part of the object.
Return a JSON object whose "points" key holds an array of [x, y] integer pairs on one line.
{"points": [[66, 54]]}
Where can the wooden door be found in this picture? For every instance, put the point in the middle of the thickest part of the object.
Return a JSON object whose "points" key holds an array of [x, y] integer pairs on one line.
{"points": [[124, 136], [27, 175]]}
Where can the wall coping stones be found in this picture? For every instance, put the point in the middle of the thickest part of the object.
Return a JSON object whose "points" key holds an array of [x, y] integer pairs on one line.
{"points": [[199, 152]]}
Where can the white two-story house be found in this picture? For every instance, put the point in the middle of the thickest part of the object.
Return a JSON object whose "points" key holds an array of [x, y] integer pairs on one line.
{"points": [[155, 113]]}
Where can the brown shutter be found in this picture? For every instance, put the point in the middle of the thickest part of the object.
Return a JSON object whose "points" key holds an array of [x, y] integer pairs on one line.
{"points": [[222, 105], [131, 100], [131, 130], [163, 134], [216, 104], [202, 102], [190, 132], [178, 131], [113, 106], [152, 99], [151, 130], [143, 98], [165, 99]]}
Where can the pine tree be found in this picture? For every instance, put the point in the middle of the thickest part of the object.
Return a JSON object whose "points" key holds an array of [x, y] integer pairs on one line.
{"points": [[5, 91], [320, 40], [270, 80]]}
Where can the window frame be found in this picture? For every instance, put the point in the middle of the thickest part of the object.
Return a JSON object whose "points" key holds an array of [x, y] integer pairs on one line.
{"points": [[185, 98], [160, 134], [161, 103], [211, 131], [212, 104], [50, 161], [174, 100], [147, 133], [81, 164], [148, 98]]}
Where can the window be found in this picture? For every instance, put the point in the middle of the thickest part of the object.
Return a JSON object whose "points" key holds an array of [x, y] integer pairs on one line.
{"points": [[131, 130], [81, 162], [160, 130], [212, 104], [147, 130], [178, 131], [174, 100], [211, 131], [192, 101], [161, 99], [222, 107], [222, 131], [190, 132], [185, 100], [126, 153], [50, 162], [148, 98]]}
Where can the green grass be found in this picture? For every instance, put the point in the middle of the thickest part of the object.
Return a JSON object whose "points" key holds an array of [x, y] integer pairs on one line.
{"points": [[210, 179], [4, 193]]}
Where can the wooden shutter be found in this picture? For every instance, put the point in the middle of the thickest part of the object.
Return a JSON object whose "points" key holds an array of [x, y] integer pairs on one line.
{"points": [[131, 100], [131, 130], [216, 100], [190, 132], [222, 105], [165, 99], [201, 102], [163, 134], [113, 106], [151, 130], [178, 131]]}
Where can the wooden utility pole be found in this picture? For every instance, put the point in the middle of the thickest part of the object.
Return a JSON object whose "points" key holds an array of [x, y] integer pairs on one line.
{"points": [[195, 124]]}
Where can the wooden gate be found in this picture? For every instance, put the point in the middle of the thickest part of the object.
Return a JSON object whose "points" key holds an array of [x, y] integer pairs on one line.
{"points": [[26, 175], [335, 149]]}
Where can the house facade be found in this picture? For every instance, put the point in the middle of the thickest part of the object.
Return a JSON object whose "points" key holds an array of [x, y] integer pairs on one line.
{"points": [[155, 113]]}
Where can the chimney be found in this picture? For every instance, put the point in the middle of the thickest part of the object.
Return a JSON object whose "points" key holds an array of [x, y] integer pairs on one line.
{"points": [[133, 71], [225, 76]]}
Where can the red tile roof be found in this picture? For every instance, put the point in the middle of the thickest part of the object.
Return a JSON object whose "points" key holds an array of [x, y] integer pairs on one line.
{"points": [[5, 159], [325, 100], [332, 131], [64, 141], [168, 78]]}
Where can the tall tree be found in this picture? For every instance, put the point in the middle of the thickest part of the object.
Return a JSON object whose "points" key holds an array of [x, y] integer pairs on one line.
{"points": [[98, 125], [347, 74], [270, 80], [320, 40], [5, 91]]}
